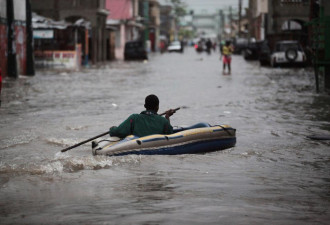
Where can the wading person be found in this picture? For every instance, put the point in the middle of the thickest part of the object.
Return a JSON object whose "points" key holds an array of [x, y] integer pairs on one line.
{"points": [[227, 50], [148, 122], [208, 46]]}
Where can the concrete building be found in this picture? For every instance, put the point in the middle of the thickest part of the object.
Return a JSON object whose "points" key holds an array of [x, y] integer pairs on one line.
{"points": [[284, 13], [154, 24], [287, 20], [74, 10], [257, 15]]}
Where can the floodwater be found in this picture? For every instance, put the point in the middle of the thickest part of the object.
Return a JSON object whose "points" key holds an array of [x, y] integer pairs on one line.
{"points": [[274, 174]]}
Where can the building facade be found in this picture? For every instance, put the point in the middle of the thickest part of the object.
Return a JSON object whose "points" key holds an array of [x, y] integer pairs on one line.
{"points": [[124, 17], [282, 13], [74, 10], [287, 20]]}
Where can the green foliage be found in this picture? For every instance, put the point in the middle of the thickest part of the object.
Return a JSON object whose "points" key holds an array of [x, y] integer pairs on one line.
{"points": [[183, 33], [179, 9]]}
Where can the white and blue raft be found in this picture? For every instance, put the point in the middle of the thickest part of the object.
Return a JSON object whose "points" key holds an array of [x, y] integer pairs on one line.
{"points": [[199, 138]]}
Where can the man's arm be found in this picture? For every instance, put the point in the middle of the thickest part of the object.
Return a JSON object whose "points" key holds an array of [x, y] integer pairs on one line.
{"points": [[168, 129], [124, 129]]}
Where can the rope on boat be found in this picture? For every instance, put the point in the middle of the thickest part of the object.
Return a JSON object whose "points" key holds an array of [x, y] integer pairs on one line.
{"points": [[225, 129]]}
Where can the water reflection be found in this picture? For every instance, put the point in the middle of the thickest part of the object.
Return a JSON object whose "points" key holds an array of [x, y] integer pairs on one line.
{"points": [[148, 187]]}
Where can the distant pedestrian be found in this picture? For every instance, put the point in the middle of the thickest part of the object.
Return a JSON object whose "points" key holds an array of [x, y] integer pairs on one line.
{"points": [[226, 52], [162, 46], [214, 46], [208, 46]]}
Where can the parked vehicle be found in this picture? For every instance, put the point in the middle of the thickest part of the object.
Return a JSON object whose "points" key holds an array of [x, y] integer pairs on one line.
{"points": [[264, 54], [287, 53], [240, 44], [258, 50], [135, 50], [200, 46], [175, 46], [252, 51]]}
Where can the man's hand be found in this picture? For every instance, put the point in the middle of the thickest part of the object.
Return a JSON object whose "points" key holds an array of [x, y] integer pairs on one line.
{"points": [[169, 113], [111, 129]]}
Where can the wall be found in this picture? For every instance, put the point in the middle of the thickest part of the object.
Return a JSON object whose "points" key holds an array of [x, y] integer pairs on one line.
{"points": [[119, 9], [19, 33], [326, 4], [262, 6], [258, 10], [20, 36], [70, 60], [3, 38]]}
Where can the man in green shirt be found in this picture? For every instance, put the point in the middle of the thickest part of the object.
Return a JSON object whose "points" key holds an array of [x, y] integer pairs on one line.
{"points": [[148, 122]]}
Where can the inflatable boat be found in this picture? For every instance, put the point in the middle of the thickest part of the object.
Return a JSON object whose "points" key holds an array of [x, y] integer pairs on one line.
{"points": [[199, 138]]}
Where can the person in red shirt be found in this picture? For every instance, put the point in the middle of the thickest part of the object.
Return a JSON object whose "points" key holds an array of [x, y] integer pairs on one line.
{"points": [[226, 52]]}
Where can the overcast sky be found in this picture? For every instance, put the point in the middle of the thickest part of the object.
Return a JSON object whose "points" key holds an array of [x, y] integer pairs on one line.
{"points": [[211, 6]]}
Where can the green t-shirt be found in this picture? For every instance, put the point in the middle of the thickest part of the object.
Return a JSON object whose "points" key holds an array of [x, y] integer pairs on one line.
{"points": [[143, 124]]}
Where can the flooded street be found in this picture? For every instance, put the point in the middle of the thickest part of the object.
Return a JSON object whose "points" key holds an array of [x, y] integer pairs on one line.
{"points": [[274, 174]]}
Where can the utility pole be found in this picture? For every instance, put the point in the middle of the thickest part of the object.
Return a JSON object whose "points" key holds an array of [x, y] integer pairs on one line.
{"points": [[29, 41], [221, 27], [230, 20], [223, 23], [11, 63], [146, 23], [239, 17]]}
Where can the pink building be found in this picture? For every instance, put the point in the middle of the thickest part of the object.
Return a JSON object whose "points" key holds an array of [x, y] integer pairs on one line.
{"points": [[123, 16], [119, 9]]}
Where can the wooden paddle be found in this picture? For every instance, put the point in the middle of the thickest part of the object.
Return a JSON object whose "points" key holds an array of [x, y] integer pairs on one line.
{"points": [[100, 135], [83, 142], [173, 109]]}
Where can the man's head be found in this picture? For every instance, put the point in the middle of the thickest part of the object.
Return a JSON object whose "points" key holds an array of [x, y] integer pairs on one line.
{"points": [[152, 103]]}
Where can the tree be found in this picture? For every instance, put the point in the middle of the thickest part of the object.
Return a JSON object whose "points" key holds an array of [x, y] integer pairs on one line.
{"points": [[187, 34], [179, 9]]}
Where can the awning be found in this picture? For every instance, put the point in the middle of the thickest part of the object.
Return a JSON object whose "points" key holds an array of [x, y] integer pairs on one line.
{"points": [[109, 27], [40, 22], [112, 22]]}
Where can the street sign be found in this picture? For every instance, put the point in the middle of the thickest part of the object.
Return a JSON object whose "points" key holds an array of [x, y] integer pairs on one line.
{"points": [[43, 34]]}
